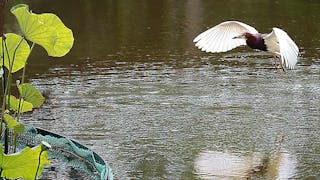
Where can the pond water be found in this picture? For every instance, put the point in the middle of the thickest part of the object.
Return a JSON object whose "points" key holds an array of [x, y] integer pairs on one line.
{"points": [[136, 90]]}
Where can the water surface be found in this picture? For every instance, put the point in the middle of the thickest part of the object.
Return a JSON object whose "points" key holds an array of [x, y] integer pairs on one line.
{"points": [[136, 90]]}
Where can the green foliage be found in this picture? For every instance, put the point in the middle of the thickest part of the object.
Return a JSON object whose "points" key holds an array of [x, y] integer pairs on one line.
{"points": [[26, 164], [30, 94], [30, 98], [46, 29], [19, 105], [16, 49], [13, 124]]}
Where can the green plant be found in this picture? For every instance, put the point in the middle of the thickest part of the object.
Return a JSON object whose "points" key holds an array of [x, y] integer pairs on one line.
{"points": [[48, 31]]}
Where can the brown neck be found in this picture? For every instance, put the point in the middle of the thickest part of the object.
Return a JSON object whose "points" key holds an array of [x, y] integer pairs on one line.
{"points": [[255, 41]]}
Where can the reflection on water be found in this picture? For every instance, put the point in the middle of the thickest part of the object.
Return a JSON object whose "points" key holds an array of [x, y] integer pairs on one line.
{"points": [[136, 90], [222, 165]]}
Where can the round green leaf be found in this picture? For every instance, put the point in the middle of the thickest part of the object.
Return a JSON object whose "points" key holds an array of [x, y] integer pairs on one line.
{"points": [[17, 50], [62, 37], [31, 94], [46, 29]]}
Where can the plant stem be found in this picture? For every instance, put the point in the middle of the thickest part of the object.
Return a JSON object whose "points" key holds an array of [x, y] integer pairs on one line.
{"points": [[20, 98], [35, 176], [7, 91], [2, 6], [3, 84], [7, 81], [22, 80], [25, 66]]}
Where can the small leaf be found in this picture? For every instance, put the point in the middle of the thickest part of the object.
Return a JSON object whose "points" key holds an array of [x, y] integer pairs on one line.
{"points": [[24, 164], [31, 94], [24, 105], [14, 41], [46, 29], [14, 125]]}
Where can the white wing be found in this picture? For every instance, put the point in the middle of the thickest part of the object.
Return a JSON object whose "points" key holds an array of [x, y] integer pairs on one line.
{"points": [[220, 37], [280, 43]]}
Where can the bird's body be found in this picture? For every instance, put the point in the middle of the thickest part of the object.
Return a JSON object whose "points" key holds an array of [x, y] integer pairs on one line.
{"points": [[231, 34], [256, 41]]}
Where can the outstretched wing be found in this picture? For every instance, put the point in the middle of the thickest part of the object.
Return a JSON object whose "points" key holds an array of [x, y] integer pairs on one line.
{"points": [[220, 38], [280, 43]]}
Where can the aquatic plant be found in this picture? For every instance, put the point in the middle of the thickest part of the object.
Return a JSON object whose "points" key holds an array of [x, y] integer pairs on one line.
{"points": [[49, 32]]}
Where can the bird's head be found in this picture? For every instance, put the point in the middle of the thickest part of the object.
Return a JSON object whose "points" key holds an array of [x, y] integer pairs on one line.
{"points": [[243, 36]]}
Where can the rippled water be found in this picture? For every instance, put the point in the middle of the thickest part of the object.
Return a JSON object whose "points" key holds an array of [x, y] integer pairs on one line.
{"points": [[136, 90], [152, 120]]}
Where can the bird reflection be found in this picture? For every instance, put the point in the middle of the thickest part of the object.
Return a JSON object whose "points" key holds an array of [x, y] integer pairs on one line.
{"points": [[224, 165]]}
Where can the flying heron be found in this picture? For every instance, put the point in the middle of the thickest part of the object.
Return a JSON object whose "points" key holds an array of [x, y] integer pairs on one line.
{"points": [[231, 34]]}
